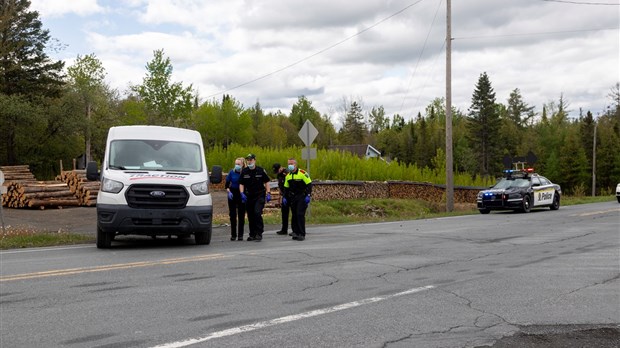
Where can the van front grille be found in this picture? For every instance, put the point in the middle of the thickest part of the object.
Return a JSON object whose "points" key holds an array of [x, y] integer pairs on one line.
{"points": [[143, 196]]}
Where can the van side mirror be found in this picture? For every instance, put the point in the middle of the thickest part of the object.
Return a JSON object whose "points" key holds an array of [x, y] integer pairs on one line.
{"points": [[216, 175], [92, 172]]}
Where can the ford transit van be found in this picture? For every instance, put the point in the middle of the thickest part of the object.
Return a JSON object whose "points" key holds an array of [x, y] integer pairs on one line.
{"points": [[154, 182]]}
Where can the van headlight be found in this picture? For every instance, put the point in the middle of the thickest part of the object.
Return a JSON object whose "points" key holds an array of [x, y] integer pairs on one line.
{"points": [[112, 186], [200, 188]]}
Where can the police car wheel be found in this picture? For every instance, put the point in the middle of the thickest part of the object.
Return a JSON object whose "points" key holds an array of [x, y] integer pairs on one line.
{"points": [[526, 204], [556, 202], [618, 199], [484, 211]]}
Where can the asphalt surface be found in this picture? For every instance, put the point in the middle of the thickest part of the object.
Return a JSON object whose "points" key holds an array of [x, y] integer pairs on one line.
{"points": [[82, 220]]}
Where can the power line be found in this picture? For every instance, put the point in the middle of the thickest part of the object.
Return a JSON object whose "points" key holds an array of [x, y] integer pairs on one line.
{"points": [[532, 34], [583, 3], [415, 70], [319, 52]]}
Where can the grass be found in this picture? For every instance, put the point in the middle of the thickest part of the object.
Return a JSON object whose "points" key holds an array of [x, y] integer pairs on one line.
{"points": [[321, 212], [17, 237]]}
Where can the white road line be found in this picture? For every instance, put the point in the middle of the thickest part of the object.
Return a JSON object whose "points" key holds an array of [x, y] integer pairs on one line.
{"points": [[287, 319]]}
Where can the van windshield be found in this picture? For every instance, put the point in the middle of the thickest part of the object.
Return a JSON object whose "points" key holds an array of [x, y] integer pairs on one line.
{"points": [[155, 155]]}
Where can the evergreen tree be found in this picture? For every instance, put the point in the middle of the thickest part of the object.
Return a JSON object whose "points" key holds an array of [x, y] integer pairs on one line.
{"points": [[27, 75], [353, 130], [484, 124], [518, 111], [25, 67], [574, 173], [586, 129]]}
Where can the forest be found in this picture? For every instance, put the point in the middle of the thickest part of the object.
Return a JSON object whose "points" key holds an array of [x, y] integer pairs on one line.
{"points": [[51, 112]]}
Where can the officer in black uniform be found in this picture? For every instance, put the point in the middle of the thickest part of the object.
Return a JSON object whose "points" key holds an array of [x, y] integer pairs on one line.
{"points": [[254, 187], [297, 191], [281, 173]]}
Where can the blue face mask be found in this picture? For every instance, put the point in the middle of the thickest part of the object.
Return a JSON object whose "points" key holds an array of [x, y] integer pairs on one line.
{"points": [[251, 165], [237, 168], [291, 167]]}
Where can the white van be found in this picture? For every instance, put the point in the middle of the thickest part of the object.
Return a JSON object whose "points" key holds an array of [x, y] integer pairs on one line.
{"points": [[154, 182]]}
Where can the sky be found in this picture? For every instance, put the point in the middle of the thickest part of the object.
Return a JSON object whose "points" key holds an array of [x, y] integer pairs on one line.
{"points": [[388, 53]]}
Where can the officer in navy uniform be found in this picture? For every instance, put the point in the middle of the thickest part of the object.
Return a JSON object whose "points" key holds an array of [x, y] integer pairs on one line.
{"points": [[281, 173], [254, 187], [297, 192]]}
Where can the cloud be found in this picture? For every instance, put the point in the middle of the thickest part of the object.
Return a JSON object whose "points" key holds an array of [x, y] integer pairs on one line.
{"points": [[55, 8], [383, 52]]}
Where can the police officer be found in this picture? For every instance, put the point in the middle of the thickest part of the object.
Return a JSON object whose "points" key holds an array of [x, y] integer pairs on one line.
{"points": [[281, 173], [297, 191], [254, 187]]}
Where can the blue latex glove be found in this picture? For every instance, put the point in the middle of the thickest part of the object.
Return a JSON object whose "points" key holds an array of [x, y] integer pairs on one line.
{"points": [[307, 199], [230, 196], [268, 197], [284, 201], [244, 198]]}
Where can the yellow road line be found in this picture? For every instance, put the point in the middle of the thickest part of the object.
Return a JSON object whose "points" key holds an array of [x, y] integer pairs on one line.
{"points": [[69, 271]]}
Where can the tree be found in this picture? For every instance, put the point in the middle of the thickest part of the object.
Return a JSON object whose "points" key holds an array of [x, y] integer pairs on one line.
{"points": [[27, 75], [518, 111], [353, 130], [377, 119], [86, 78], [484, 124], [25, 67], [166, 103], [302, 111]]}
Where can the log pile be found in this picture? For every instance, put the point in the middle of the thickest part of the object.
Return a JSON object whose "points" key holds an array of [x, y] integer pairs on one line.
{"points": [[24, 191], [38, 194], [85, 191]]}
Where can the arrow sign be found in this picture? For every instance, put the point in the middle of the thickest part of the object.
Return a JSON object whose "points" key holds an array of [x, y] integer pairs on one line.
{"points": [[308, 133]]}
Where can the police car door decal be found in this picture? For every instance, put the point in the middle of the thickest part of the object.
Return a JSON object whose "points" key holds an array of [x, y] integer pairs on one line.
{"points": [[543, 195]]}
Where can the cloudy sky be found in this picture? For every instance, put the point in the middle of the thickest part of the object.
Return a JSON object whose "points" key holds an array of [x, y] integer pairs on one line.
{"points": [[379, 52]]}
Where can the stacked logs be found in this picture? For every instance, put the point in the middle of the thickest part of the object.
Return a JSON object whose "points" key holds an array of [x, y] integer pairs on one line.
{"points": [[17, 174], [24, 191], [39, 194], [70, 189], [85, 191]]}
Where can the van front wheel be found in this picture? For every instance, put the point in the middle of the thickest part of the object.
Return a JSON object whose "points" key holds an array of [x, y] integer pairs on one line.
{"points": [[203, 238], [104, 240]]}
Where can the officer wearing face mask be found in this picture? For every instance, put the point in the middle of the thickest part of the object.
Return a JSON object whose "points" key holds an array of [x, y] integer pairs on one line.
{"points": [[254, 186], [281, 173], [236, 208], [297, 192]]}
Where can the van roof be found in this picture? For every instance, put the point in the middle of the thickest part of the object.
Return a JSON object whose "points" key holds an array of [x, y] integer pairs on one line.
{"points": [[154, 132]]}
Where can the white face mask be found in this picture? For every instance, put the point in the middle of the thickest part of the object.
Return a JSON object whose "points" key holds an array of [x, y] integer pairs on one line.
{"points": [[251, 165], [291, 167]]}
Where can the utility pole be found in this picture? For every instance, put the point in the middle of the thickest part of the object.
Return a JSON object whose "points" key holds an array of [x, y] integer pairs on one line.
{"points": [[594, 163], [449, 173]]}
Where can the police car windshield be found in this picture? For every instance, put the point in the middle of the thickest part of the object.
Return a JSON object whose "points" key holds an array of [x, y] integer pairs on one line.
{"points": [[512, 182]]}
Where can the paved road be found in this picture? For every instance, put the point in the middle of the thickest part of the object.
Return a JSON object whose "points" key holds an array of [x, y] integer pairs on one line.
{"points": [[453, 282]]}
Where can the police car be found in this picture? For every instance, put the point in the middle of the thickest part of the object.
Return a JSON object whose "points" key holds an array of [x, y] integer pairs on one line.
{"points": [[521, 190], [618, 192]]}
